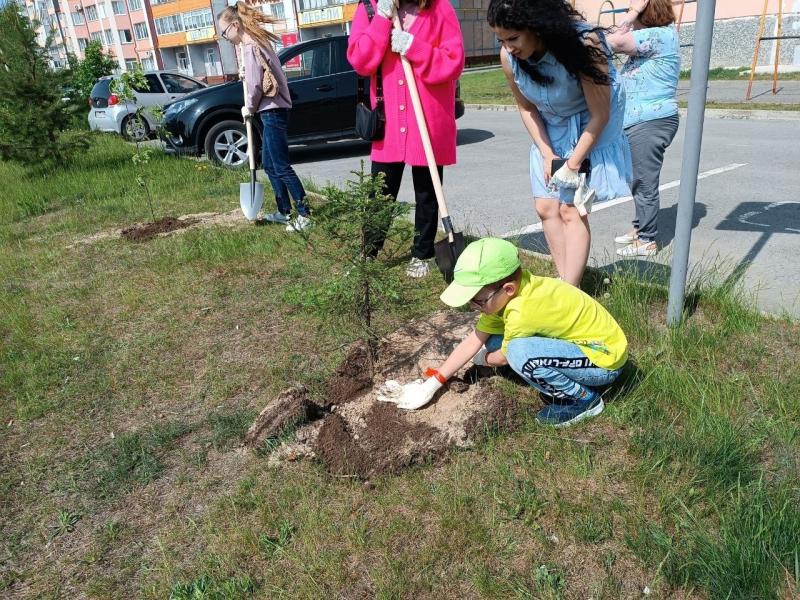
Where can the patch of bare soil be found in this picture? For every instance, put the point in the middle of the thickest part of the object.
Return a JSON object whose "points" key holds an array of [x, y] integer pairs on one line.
{"points": [[147, 231], [361, 437], [178, 224]]}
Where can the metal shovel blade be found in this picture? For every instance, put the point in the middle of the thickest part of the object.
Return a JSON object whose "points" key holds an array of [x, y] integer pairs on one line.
{"points": [[251, 197], [447, 254]]}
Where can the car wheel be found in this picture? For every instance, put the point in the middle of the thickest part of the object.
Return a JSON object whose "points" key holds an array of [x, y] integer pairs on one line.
{"points": [[226, 144], [135, 129]]}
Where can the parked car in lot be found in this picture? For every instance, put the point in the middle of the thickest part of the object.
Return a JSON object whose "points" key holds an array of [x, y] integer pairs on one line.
{"points": [[108, 113], [323, 88]]}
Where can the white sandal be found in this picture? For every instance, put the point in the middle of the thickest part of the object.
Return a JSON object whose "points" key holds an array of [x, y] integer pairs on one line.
{"points": [[643, 250], [625, 239]]}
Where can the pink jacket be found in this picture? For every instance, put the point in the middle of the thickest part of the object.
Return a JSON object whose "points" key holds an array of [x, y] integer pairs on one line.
{"points": [[437, 59]]}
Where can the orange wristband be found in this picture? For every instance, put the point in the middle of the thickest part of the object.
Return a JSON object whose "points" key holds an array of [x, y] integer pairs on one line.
{"points": [[431, 372]]}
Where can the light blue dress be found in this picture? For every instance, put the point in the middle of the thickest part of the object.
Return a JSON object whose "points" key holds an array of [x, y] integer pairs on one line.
{"points": [[562, 105]]}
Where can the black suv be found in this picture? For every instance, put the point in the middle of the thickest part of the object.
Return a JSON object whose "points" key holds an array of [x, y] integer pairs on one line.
{"points": [[323, 88]]}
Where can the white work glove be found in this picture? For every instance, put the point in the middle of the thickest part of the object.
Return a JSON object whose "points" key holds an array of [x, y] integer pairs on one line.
{"points": [[410, 396], [480, 358], [584, 196], [247, 113], [564, 178], [401, 41], [387, 8]]}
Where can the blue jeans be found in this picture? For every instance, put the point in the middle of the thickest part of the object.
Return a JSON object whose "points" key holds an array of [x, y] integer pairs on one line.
{"points": [[275, 160], [554, 367]]}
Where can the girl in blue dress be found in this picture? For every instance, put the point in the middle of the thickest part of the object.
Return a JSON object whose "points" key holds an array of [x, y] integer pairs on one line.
{"points": [[572, 103]]}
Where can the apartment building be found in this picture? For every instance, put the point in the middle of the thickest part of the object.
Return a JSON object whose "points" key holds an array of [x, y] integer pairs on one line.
{"points": [[322, 18], [123, 27]]}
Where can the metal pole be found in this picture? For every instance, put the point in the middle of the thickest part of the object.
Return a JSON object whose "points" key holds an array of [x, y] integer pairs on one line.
{"points": [[698, 88]]}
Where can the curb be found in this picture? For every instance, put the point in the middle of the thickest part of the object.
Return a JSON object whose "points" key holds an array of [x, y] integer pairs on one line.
{"points": [[714, 113]]}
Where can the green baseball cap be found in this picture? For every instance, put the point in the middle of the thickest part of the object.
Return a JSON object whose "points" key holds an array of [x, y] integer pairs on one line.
{"points": [[483, 262]]}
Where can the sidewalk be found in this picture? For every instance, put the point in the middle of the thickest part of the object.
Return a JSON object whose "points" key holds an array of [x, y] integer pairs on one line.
{"points": [[788, 92]]}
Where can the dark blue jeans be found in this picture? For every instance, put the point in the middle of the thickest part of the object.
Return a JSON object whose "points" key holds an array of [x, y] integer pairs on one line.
{"points": [[275, 160]]}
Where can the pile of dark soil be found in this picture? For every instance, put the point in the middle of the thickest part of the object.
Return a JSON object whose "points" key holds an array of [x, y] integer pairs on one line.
{"points": [[147, 231], [360, 437]]}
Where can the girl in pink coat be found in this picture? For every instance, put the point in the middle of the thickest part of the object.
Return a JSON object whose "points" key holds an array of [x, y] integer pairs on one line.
{"points": [[431, 41]]}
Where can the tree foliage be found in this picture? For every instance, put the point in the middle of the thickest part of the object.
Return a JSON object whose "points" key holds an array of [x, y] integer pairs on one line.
{"points": [[35, 124]]}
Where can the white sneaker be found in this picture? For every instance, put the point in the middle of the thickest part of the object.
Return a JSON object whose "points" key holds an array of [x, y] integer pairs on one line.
{"points": [[299, 223], [418, 268], [277, 217], [643, 250], [625, 239]]}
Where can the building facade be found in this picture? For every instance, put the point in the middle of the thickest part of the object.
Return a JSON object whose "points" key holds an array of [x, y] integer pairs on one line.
{"points": [[123, 27]]}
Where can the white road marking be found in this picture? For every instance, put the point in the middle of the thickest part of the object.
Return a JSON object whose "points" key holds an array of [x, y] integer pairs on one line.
{"points": [[536, 227]]}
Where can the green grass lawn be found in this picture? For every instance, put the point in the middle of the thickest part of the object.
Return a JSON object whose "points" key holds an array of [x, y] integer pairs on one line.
{"points": [[129, 373], [491, 87]]}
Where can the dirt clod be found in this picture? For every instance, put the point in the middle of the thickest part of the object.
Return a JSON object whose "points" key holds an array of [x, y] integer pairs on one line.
{"points": [[147, 231], [353, 376], [290, 407]]}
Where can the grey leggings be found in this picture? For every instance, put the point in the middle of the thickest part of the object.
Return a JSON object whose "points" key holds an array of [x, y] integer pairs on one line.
{"points": [[648, 141]]}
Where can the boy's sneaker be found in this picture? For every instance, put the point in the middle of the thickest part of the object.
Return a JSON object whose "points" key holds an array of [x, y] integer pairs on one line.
{"points": [[299, 223], [563, 415], [276, 217], [418, 268]]}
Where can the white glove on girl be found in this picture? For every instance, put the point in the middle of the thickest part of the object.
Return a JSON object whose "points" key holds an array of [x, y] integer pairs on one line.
{"points": [[584, 196], [401, 41], [410, 396], [564, 178], [387, 8], [246, 113]]}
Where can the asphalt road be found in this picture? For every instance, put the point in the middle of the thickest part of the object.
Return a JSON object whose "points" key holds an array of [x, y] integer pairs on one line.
{"points": [[747, 207]]}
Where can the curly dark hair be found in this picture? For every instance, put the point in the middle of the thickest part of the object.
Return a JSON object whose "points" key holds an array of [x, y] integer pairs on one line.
{"points": [[554, 21]]}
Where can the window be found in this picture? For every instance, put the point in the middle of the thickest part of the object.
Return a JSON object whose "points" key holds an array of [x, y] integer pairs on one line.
{"points": [[135, 5], [156, 2], [101, 10], [119, 7], [315, 62], [140, 31], [97, 36], [82, 44], [153, 85], [108, 37], [131, 64], [197, 19], [176, 84], [170, 24], [77, 18], [91, 13], [183, 61], [148, 64], [278, 10], [56, 63], [125, 36]]}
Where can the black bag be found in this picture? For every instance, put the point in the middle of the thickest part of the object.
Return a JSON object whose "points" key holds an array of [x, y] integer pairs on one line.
{"points": [[370, 123]]}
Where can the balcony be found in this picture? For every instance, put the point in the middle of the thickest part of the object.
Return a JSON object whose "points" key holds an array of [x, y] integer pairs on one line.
{"points": [[318, 4]]}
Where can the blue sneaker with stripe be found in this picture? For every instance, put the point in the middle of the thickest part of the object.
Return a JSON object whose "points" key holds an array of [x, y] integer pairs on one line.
{"points": [[568, 413]]}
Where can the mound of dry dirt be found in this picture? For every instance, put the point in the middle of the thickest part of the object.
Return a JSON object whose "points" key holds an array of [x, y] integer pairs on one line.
{"points": [[165, 227], [361, 437], [147, 231]]}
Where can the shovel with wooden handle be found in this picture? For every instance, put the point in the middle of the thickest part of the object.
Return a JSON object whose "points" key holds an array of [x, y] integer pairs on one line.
{"points": [[448, 250], [251, 195]]}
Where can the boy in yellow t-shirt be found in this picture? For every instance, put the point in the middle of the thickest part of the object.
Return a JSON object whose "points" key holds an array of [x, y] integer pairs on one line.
{"points": [[556, 337]]}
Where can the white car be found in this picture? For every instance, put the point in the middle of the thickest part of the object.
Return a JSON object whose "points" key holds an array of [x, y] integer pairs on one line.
{"points": [[109, 113]]}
